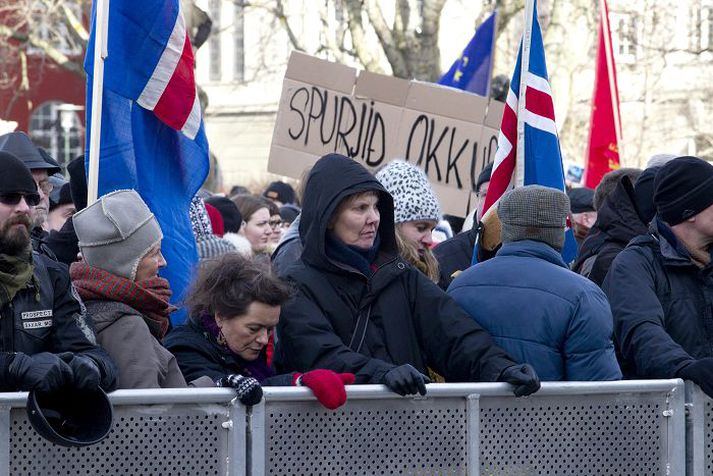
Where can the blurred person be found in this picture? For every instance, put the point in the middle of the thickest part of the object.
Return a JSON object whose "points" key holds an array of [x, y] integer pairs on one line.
{"points": [[61, 208], [456, 254], [660, 286], [48, 338], [361, 308], [118, 281], [208, 243], [535, 308], [238, 190], [64, 242], [275, 225], [288, 214], [234, 307], [584, 215], [280, 193], [416, 214]]}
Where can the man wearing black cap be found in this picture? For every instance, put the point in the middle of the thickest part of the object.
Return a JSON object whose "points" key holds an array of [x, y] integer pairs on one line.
{"points": [[456, 254], [46, 341], [661, 286], [42, 166]]}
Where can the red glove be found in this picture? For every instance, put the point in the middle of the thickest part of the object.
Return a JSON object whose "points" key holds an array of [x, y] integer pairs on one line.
{"points": [[326, 385]]}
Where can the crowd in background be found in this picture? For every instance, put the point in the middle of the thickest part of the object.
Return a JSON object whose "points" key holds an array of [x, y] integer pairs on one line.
{"points": [[356, 278]]}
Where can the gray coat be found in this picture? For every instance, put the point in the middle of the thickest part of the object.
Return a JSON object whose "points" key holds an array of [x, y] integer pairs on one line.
{"points": [[142, 361]]}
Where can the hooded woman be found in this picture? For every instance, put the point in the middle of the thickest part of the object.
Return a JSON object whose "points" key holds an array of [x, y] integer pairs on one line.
{"points": [[360, 308], [234, 306], [118, 281]]}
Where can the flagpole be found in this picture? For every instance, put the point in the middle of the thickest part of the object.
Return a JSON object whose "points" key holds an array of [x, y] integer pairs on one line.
{"points": [[100, 54], [492, 52], [521, 108], [613, 90]]}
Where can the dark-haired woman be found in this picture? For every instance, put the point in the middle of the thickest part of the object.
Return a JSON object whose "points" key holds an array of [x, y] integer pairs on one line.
{"points": [[234, 307]]}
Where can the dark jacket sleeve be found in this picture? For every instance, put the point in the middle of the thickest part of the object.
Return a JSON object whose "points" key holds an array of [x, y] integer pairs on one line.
{"points": [[307, 341], [456, 346], [73, 328], [64, 243], [639, 329]]}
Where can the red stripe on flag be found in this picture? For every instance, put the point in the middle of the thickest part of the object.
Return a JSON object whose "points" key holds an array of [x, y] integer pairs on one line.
{"points": [[176, 102], [539, 103]]}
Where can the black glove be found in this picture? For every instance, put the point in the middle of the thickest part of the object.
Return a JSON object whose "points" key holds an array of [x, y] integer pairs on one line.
{"points": [[248, 390], [523, 377], [43, 372], [700, 372], [87, 375], [405, 380]]}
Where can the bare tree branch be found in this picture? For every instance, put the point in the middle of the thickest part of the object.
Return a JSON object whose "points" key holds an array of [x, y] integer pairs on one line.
{"points": [[53, 53], [391, 48], [359, 41]]}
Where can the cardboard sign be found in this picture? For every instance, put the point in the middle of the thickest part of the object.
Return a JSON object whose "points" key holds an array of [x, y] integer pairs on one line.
{"points": [[327, 107]]}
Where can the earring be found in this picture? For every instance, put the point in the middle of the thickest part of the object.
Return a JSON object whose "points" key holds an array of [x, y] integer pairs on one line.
{"points": [[221, 338]]}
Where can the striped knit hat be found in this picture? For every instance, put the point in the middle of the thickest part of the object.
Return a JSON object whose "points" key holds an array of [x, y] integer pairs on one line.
{"points": [[209, 245]]}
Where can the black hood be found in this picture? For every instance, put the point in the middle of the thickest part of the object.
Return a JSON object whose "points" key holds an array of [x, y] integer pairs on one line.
{"points": [[333, 178], [619, 217]]}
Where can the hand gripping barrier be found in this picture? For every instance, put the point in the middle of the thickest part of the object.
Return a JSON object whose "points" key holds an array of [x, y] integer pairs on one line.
{"points": [[597, 428]]}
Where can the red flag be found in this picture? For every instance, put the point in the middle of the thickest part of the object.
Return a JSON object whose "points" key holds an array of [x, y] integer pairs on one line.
{"points": [[605, 125]]}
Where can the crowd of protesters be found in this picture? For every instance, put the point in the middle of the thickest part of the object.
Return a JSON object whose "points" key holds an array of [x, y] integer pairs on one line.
{"points": [[342, 282]]}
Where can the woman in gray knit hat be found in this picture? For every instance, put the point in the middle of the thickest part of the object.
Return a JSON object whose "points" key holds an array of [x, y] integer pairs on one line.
{"points": [[416, 214], [120, 242]]}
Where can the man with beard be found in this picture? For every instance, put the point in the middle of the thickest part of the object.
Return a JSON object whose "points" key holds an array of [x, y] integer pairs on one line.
{"points": [[42, 165], [46, 339]]}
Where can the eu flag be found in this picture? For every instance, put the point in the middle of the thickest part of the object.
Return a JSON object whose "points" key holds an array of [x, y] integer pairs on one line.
{"points": [[471, 72]]}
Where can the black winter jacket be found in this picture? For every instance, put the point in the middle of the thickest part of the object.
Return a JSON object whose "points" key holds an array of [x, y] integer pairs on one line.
{"points": [[57, 323], [409, 319], [198, 354], [618, 222], [662, 305], [455, 254]]}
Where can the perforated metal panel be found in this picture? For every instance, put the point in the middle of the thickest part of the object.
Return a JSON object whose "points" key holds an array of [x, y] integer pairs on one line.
{"points": [[576, 435], [414, 437], [708, 432], [151, 440]]}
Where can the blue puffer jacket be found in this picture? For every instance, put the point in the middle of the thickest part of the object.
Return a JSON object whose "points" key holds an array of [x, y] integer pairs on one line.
{"points": [[541, 312]]}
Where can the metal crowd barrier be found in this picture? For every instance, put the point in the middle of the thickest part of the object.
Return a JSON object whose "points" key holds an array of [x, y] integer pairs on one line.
{"points": [[598, 428]]}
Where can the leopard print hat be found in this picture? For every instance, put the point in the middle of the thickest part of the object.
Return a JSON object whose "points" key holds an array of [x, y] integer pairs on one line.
{"points": [[413, 197]]}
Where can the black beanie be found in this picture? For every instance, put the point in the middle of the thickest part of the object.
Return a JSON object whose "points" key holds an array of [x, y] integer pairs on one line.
{"points": [[232, 219], [15, 176], [78, 182], [484, 176], [63, 197], [581, 199], [280, 191], [644, 191], [683, 188]]}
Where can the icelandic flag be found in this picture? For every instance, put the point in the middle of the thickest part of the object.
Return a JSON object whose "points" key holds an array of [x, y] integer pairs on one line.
{"points": [[152, 135], [541, 159], [471, 72]]}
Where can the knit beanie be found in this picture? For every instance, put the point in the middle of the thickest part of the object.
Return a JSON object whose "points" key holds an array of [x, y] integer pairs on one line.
{"points": [[216, 219], [15, 176], [413, 197], [683, 188], [232, 219], [62, 197], [534, 212], [116, 232], [209, 245]]}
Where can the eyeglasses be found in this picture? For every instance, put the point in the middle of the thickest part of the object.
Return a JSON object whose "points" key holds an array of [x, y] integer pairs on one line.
{"points": [[14, 198], [275, 223]]}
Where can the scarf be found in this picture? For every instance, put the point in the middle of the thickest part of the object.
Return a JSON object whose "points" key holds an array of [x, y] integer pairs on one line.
{"points": [[358, 258], [149, 297], [16, 273], [258, 368]]}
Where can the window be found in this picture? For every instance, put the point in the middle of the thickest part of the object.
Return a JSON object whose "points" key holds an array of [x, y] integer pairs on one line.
{"points": [[57, 127], [702, 29], [239, 43], [626, 36], [215, 71]]}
